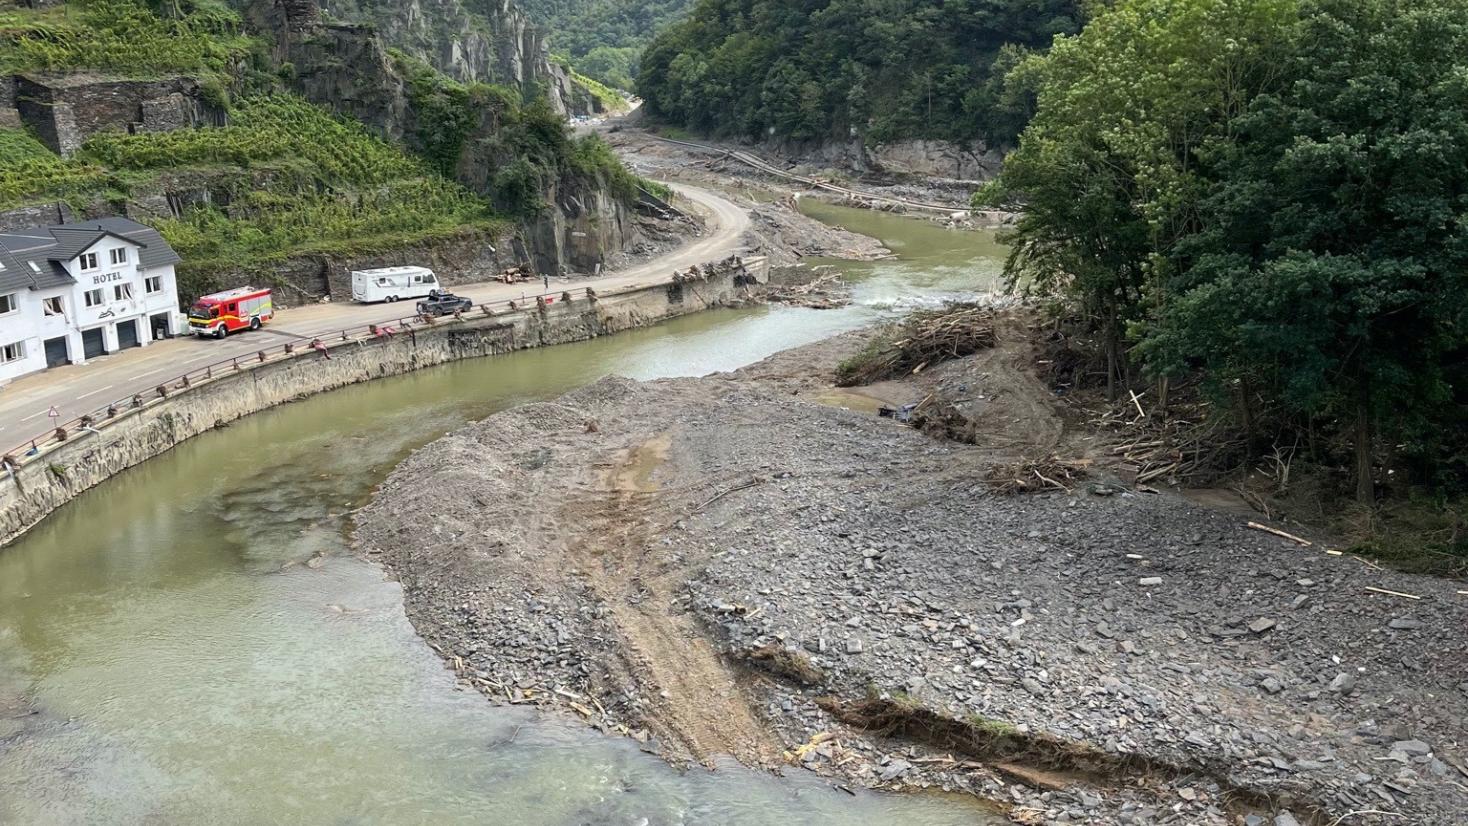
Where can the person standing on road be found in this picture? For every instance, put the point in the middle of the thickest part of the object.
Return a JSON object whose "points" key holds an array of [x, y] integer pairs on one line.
{"points": [[546, 276]]}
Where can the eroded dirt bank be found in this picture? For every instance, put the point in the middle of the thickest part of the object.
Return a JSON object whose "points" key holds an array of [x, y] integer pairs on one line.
{"points": [[735, 565]]}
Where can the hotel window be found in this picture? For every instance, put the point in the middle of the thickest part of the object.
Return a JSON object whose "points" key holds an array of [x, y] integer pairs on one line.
{"points": [[153, 284], [94, 298], [8, 304], [122, 292], [52, 306], [12, 352], [89, 261], [119, 256]]}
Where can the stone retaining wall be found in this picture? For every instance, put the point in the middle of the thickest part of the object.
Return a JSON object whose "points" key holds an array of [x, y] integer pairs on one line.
{"points": [[65, 111], [49, 480], [469, 257]]}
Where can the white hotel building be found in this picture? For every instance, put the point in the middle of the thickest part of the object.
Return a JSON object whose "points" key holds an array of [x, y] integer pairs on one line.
{"points": [[74, 292]]}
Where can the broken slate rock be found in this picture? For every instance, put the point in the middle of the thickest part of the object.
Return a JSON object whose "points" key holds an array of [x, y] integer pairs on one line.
{"points": [[1404, 624], [1412, 747], [1259, 626], [1343, 683], [895, 769]]}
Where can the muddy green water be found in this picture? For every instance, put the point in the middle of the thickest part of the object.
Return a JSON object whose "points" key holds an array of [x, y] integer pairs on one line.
{"points": [[178, 668]]}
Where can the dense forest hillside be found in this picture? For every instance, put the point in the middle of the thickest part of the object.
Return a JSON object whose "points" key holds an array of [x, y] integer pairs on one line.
{"points": [[882, 69], [249, 139], [605, 38]]}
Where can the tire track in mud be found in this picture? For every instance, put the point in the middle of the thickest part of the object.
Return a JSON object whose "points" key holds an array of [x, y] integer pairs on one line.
{"points": [[694, 704]]}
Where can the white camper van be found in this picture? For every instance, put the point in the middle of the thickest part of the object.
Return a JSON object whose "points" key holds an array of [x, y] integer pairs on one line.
{"points": [[392, 283]]}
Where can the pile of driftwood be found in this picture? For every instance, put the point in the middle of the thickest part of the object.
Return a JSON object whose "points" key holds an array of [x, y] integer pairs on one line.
{"points": [[1035, 475], [826, 292], [924, 338], [1187, 445]]}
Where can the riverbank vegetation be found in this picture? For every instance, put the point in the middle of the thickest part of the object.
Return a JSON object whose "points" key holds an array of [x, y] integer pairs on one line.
{"points": [[828, 70], [1267, 196]]}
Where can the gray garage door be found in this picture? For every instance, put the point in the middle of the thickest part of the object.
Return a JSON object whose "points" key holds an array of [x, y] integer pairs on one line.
{"points": [[127, 334], [93, 344], [57, 353]]}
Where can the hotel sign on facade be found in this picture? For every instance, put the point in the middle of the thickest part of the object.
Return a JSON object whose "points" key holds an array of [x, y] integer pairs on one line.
{"points": [[74, 292]]}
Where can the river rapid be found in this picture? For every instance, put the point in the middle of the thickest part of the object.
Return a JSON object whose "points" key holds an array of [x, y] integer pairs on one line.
{"points": [[194, 641]]}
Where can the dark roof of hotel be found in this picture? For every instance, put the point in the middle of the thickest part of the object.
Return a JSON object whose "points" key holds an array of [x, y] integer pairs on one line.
{"points": [[33, 258]]}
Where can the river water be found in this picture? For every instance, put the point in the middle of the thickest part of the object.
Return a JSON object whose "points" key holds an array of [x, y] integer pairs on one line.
{"points": [[194, 641]]}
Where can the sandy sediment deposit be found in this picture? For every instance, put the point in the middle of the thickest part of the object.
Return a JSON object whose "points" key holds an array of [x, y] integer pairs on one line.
{"points": [[755, 564]]}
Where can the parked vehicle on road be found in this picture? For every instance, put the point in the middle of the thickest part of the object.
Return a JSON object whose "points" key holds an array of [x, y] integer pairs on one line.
{"points": [[440, 302], [219, 314], [392, 283]]}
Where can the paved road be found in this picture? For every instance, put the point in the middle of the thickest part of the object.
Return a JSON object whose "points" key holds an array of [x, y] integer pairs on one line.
{"points": [[79, 389]]}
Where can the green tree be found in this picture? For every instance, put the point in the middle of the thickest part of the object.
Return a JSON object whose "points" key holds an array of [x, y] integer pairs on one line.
{"points": [[613, 66], [885, 69], [1108, 172], [1330, 258]]}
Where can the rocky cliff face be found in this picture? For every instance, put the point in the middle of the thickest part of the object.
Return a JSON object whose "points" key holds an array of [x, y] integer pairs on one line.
{"points": [[347, 67], [489, 41], [344, 67], [582, 225], [968, 163], [937, 159]]}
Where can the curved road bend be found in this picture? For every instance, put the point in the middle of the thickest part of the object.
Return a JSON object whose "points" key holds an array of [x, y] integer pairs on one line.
{"points": [[78, 389]]}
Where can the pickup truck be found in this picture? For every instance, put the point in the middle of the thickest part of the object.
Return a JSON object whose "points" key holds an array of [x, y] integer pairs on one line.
{"points": [[440, 302]]}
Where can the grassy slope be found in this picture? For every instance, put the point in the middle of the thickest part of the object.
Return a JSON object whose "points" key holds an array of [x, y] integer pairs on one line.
{"points": [[298, 179], [610, 100], [122, 37]]}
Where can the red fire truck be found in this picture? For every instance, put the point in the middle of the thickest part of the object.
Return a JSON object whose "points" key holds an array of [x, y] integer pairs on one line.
{"points": [[223, 313]]}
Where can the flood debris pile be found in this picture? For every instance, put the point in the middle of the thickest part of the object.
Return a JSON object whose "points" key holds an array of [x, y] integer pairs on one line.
{"points": [[699, 273], [724, 565], [924, 338], [1035, 475], [825, 291]]}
